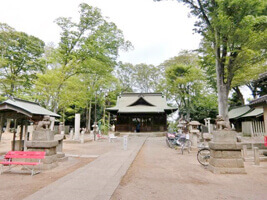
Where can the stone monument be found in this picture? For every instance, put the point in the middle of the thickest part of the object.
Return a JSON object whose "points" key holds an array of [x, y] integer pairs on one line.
{"points": [[77, 126], [43, 140], [181, 125], [225, 153], [194, 132]]}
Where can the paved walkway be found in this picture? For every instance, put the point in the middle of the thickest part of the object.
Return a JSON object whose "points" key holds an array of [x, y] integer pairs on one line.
{"points": [[97, 180]]}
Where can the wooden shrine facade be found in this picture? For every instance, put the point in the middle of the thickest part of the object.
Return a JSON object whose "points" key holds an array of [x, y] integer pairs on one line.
{"points": [[141, 112], [148, 122]]}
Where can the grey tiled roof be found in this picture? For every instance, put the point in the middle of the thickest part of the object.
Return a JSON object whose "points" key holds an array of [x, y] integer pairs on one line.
{"points": [[238, 111], [30, 107], [260, 100], [254, 113], [157, 101]]}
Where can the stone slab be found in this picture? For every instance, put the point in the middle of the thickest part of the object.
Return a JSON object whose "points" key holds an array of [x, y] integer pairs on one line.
{"points": [[225, 146], [50, 159], [43, 135], [60, 154], [226, 163], [223, 170], [224, 136], [62, 159], [225, 154], [41, 144]]}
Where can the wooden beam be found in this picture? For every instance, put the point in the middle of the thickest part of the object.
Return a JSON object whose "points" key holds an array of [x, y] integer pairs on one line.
{"points": [[1, 125]]}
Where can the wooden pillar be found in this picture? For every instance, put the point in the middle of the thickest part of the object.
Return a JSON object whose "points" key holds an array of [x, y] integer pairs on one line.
{"points": [[26, 137], [1, 126], [22, 132], [265, 117], [14, 140]]}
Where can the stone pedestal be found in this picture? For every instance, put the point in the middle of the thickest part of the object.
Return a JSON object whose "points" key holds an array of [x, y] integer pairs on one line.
{"points": [[225, 154], [43, 140], [43, 135], [59, 149]]}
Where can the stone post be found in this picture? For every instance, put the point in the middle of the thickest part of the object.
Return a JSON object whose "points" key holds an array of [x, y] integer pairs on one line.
{"points": [[225, 154], [77, 126], [245, 151], [95, 130], [256, 156], [82, 137], [125, 142], [52, 125], [208, 124], [61, 128], [71, 134]]}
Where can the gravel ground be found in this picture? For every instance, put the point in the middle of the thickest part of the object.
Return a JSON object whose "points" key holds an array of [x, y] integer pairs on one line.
{"points": [[159, 172]]}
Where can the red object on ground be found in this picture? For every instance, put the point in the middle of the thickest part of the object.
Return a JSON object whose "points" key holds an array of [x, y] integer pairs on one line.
{"points": [[265, 141]]}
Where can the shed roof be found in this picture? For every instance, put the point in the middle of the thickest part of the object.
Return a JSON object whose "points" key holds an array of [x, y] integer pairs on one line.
{"points": [[257, 112], [27, 107], [236, 112], [142, 103]]}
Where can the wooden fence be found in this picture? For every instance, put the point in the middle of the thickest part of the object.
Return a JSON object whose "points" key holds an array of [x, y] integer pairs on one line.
{"points": [[253, 128]]}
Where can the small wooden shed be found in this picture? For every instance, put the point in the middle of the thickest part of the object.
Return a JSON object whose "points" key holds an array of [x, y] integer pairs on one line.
{"points": [[22, 112]]}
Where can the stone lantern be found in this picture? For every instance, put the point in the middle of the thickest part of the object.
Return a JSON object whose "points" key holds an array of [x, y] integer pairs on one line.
{"points": [[194, 132], [181, 126]]}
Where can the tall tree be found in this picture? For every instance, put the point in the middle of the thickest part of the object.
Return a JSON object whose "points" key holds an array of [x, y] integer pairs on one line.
{"points": [[234, 31], [124, 72], [89, 46], [20, 60], [146, 77], [187, 86]]}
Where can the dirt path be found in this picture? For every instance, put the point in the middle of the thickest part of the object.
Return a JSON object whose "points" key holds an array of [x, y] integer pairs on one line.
{"points": [[162, 173]]}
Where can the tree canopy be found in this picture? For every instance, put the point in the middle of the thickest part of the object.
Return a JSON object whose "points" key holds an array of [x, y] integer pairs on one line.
{"points": [[20, 60], [234, 36]]}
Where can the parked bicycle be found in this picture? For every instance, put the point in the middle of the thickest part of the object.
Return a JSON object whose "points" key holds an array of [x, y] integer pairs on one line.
{"points": [[203, 156], [180, 140], [185, 144]]}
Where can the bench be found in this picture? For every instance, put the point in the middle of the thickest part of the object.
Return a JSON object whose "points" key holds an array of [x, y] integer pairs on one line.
{"points": [[13, 158]]}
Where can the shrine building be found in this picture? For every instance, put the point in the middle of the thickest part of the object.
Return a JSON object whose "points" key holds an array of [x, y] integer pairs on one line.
{"points": [[141, 112]]}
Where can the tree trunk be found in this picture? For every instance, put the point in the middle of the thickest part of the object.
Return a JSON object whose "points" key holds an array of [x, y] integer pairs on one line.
{"points": [[104, 116], [223, 89], [89, 116], [253, 89], [239, 95]]}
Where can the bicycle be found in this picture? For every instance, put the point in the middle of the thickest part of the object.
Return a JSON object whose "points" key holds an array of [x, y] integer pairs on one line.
{"points": [[203, 156], [185, 144]]}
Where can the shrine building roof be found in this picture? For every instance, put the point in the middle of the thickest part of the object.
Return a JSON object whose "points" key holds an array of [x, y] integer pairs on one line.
{"points": [[27, 108], [142, 103]]}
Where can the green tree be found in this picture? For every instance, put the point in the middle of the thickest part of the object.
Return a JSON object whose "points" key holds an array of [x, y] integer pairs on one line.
{"points": [[185, 84], [124, 72], [234, 32], [89, 46], [20, 60], [146, 78]]}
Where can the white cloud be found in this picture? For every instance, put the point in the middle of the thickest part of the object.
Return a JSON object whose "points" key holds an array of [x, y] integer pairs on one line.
{"points": [[158, 30]]}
